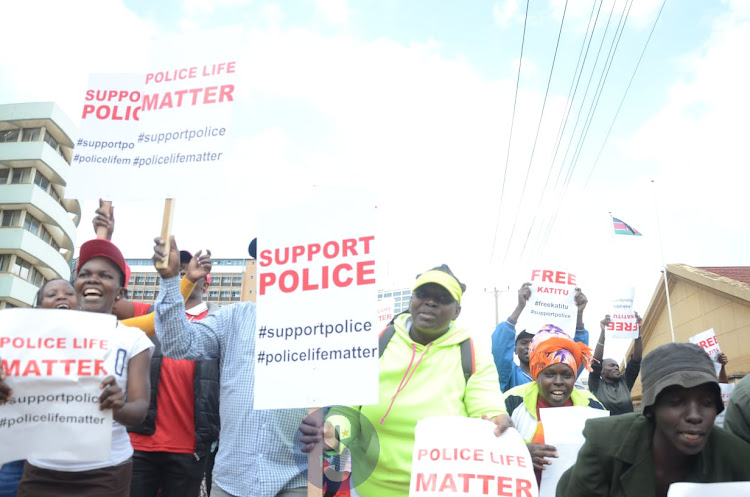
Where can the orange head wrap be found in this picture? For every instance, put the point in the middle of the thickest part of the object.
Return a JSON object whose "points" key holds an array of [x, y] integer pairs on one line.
{"points": [[551, 346]]}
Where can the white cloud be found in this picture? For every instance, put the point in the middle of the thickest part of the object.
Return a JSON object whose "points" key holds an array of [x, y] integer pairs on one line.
{"points": [[333, 11], [528, 68], [506, 13], [198, 7]]}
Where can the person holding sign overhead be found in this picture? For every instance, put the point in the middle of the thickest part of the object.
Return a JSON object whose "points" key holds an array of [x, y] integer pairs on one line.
{"points": [[257, 451], [100, 276], [554, 360], [607, 382], [672, 440], [421, 375], [505, 341]]}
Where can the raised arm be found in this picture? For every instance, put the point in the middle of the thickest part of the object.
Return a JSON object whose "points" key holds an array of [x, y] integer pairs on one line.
{"points": [[638, 345], [504, 340], [596, 364], [181, 339]]}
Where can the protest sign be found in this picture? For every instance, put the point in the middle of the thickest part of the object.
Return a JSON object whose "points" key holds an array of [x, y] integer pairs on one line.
{"points": [[563, 429], [552, 301], [623, 323], [55, 360], [707, 339], [316, 333], [727, 389], [385, 312], [726, 489], [462, 456], [143, 132]]}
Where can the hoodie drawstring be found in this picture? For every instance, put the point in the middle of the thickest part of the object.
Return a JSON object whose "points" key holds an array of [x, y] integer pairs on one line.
{"points": [[405, 380]]}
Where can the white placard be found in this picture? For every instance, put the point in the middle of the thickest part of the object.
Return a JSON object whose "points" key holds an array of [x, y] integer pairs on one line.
{"points": [[707, 339], [552, 301], [563, 428], [316, 342], [460, 456], [385, 312], [623, 323], [727, 389], [726, 489], [55, 360], [149, 135]]}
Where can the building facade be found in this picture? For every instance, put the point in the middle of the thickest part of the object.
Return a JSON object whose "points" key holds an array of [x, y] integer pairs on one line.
{"points": [[232, 280], [37, 224], [400, 296], [700, 299]]}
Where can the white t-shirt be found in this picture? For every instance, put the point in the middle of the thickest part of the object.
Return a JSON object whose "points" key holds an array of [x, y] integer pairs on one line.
{"points": [[127, 343]]}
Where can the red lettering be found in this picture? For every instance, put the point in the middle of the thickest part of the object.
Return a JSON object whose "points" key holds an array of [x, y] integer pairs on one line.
{"points": [[283, 278], [349, 244], [504, 486], [225, 93], [365, 269], [297, 251], [467, 478], [87, 109], [421, 454], [265, 257], [11, 368], [84, 368], [366, 241], [426, 485], [448, 483], [266, 280], [312, 249], [486, 479], [523, 486], [305, 281], [99, 368], [337, 278], [32, 369], [547, 276]]}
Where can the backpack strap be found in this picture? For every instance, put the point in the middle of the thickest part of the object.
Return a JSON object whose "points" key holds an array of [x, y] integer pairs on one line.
{"points": [[385, 337], [467, 358], [468, 364]]}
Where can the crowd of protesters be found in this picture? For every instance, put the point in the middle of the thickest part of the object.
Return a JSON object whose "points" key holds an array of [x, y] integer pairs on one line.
{"points": [[188, 384]]}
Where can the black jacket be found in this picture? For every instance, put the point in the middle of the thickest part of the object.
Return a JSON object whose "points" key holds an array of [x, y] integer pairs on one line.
{"points": [[206, 408]]}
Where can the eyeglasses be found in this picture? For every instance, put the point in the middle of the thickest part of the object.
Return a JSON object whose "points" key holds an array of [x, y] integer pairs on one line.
{"points": [[442, 298]]}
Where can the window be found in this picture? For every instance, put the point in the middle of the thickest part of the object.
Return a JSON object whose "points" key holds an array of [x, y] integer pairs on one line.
{"points": [[236, 280], [54, 195], [20, 175], [4, 261], [138, 294], [36, 278], [11, 218], [213, 294], [226, 280], [139, 280], [132, 279], [4, 175], [41, 181], [31, 134], [214, 281], [9, 135], [50, 141], [150, 280], [235, 294], [31, 224], [149, 294], [21, 268], [224, 294]]}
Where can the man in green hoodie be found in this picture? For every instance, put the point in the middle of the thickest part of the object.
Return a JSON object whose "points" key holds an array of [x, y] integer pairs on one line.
{"points": [[421, 375]]}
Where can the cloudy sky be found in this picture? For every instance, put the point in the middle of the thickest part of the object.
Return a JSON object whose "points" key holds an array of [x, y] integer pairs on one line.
{"points": [[415, 99]]}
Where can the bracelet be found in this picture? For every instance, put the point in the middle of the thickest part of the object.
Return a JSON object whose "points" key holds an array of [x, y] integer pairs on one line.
{"points": [[600, 343]]}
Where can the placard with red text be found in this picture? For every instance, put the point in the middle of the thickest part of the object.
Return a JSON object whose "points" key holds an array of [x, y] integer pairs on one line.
{"points": [[54, 361], [316, 333], [552, 301], [148, 135], [622, 320], [385, 312], [707, 339], [460, 456]]}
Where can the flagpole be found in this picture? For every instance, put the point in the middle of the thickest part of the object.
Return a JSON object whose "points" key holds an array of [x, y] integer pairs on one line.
{"points": [[663, 264]]}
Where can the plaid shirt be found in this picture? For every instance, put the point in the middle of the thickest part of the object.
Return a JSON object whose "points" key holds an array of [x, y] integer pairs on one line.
{"points": [[259, 454]]}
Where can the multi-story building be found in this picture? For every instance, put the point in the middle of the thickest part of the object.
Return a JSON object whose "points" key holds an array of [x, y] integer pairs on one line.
{"points": [[232, 280], [400, 296], [37, 224]]}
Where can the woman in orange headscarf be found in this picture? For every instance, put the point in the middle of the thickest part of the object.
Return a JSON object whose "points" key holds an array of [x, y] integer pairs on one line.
{"points": [[554, 360]]}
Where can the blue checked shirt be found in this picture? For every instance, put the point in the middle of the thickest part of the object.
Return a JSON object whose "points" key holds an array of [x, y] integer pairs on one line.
{"points": [[259, 451]]}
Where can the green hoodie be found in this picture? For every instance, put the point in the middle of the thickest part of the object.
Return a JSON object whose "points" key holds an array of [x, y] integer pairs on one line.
{"points": [[432, 383]]}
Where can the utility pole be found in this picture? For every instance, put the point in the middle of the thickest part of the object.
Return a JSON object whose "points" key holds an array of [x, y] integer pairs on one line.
{"points": [[494, 291]]}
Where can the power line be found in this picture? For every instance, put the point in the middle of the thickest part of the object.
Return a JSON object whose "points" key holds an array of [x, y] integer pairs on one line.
{"points": [[571, 98], [598, 156], [510, 136]]}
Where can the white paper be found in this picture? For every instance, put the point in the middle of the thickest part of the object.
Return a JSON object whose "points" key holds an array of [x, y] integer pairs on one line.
{"points": [[552, 301], [385, 312], [726, 489], [317, 332], [52, 358], [563, 429], [727, 389], [623, 323], [463, 457], [710, 343]]}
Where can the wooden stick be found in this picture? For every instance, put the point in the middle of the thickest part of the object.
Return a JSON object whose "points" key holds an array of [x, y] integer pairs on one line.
{"points": [[166, 231], [315, 462], [106, 206]]}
